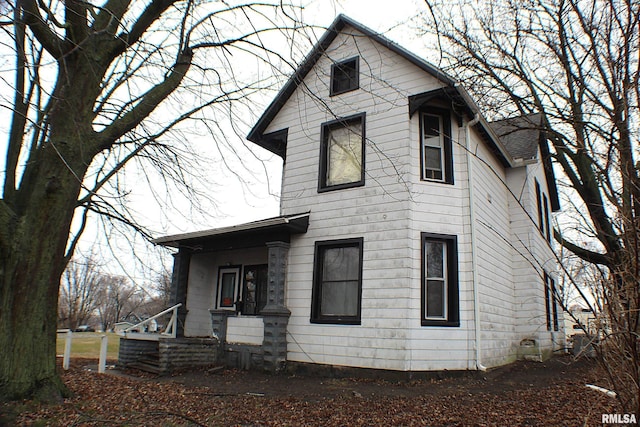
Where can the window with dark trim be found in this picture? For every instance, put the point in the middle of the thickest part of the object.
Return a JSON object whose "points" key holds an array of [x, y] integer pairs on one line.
{"points": [[345, 76], [440, 298], [342, 153], [539, 206], [551, 307], [337, 282], [254, 288], [547, 222], [436, 161], [544, 221]]}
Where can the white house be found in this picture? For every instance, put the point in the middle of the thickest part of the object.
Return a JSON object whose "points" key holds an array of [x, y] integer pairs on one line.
{"points": [[413, 234]]}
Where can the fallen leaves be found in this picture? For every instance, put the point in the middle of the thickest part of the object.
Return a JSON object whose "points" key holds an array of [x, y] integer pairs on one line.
{"points": [[229, 400]]}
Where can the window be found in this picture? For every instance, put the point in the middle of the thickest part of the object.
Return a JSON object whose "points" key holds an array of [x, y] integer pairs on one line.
{"points": [[547, 223], [550, 302], [435, 146], [342, 154], [228, 287], [337, 284], [254, 289], [345, 76], [439, 280], [544, 223], [539, 205]]}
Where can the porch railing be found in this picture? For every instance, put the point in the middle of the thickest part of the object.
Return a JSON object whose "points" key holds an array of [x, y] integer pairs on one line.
{"points": [[169, 332]]}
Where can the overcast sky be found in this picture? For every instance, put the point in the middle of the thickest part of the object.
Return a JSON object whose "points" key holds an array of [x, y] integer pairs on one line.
{"points": [[234, 205]]}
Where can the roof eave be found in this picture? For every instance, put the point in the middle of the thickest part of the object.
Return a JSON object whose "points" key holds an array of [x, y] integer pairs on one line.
{"points": [[295, 224], [499, 148]]}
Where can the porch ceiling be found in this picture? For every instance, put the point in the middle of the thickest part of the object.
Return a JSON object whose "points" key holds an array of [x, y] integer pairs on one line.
{"points": [[246, 235]]}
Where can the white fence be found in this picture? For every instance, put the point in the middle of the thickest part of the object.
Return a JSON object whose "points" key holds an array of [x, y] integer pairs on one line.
{"points": [[102, 361]]}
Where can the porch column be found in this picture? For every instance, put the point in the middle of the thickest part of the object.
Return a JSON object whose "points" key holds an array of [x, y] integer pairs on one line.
{"points": [[219, 324], [275, 314], [179, 280]]}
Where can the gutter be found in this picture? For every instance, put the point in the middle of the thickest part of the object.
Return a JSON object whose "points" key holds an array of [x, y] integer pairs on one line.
{"points": [[479, 119], [474, 249]]}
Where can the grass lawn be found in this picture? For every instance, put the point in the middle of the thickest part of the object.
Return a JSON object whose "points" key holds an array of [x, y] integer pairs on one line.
{"points": [[87, 345]]}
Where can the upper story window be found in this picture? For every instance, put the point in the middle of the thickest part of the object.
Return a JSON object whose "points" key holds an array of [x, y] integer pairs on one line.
{"points": [[337, 282], [345, 76], [435, 146], [544, 222], [342, 154], [440, 299]]}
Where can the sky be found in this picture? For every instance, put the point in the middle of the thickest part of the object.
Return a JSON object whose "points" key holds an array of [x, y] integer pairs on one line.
{"points": [[233, 203], [236, 205]]}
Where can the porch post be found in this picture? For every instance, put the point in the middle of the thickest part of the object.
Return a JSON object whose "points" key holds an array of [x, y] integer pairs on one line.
{"points": [[179, 280], [275, 313]]}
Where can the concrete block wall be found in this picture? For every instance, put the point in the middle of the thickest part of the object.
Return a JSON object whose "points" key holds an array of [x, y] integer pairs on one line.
{"points": [[131, 350], [244, 356], [184, 353]]}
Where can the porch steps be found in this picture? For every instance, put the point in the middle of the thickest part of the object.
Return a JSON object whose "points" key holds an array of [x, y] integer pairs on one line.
{"points": [[149, 362]]}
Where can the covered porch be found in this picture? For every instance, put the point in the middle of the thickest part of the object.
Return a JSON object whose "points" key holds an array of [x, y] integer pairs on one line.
{"points": [[231, 284]]}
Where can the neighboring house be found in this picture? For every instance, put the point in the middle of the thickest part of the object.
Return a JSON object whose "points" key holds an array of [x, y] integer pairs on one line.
{"points": [[133, 319], [122, 326], [413, 235]]}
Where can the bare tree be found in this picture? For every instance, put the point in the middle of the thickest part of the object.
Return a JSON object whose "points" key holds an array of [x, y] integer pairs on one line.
{"points": [[86, 85], [576, 63], [159, 297], [118, 299], [79, 292]]}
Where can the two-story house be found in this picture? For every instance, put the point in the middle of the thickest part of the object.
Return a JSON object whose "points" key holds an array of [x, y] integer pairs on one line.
{"points": [[413, 234]]}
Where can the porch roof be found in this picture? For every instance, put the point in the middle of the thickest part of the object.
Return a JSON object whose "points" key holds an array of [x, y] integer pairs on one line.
{"points": [[241, 235]]}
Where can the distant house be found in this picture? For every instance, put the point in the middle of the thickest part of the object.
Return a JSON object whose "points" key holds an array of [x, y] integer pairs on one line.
{"points": [[133, 319], [122, 326], [413, 234]]}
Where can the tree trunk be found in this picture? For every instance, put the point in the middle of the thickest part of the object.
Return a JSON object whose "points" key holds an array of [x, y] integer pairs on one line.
{"points": [[32, 258]]}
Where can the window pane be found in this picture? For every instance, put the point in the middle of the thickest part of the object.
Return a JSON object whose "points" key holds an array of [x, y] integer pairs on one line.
{"points": [[345, 76], [227, 284], [435, 259], [435, 298], [431, 126], [341, 264], [340, 298], [433, 158], [344, 162]]}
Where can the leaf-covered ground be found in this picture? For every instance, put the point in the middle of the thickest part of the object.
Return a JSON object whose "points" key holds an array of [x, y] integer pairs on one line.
{"points": [[525, 393]]}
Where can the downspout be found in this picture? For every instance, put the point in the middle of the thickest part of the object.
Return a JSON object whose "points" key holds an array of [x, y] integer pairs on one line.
{"points": [[474, 249]]}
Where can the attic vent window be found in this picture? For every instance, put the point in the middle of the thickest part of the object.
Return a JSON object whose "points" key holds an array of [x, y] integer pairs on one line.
{"points": [[345, 76]]}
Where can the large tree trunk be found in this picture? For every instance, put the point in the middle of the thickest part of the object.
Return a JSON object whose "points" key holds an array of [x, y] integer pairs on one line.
{"points": [[48, 157], [32, 258]]}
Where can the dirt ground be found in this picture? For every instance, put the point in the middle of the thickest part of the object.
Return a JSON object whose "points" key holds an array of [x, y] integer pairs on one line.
{"points": [[517, 376], [552, 393]]}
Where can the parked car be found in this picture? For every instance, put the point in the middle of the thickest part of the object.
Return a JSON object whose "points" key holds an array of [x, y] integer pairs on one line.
{"points": [[85, 328]]}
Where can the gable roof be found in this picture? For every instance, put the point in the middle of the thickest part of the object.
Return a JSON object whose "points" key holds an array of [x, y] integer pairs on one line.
{"points": [[276, 141], [522, 136], [503, 139]]}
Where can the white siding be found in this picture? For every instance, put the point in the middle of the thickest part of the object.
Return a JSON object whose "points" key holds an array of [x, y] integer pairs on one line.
{"points": [[534, 255], [378, 212], [496, 292], [390, 212]]}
